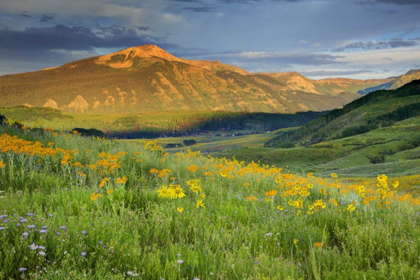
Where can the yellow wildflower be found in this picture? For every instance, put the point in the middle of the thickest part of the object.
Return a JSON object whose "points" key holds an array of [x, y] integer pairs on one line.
{"points": [[94, 196], [154, 171], [103, 182], [200, 203], [351, 208], [196, 189], [122, 180], [192, 168], [164, 192], [177, 193]]}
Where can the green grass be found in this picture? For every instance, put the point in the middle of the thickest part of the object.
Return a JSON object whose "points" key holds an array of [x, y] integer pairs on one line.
{"points": [[139, 125], [134, 231], [348, 156]]}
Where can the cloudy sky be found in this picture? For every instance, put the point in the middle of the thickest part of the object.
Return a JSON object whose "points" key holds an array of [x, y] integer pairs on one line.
{"points": [[318, 38]]}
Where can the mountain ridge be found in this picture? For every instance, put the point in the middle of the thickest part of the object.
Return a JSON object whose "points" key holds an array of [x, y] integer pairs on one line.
{"points": [[147, 78]]}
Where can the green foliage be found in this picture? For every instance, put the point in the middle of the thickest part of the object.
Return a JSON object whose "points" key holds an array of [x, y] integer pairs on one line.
{"points": [[173, 145], [189, 142], [382, 101], [89, 132], [355, 130]]}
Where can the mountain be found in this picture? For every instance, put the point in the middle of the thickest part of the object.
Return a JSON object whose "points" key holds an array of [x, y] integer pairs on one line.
{"points": [[147, 78], [406, 78]]}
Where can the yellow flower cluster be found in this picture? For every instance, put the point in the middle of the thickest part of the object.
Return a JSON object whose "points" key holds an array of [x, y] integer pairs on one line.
{"points": [[95, 196], [122, 180], [173, 192]]}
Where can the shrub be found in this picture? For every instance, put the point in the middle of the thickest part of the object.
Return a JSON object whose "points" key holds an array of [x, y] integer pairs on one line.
{"points": [[89, 132], [189, 142]]}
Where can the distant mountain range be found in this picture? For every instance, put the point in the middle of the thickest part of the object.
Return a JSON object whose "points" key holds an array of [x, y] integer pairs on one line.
{"points": [[147, 78]]}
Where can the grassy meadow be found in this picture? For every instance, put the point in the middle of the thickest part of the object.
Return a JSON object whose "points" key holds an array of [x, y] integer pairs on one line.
{"points": [[73, 207]]}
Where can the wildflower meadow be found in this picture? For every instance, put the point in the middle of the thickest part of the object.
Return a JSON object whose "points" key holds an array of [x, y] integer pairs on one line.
{"points": [[73, 207]]}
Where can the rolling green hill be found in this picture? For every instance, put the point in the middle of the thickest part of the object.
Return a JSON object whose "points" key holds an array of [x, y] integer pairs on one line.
{"points": [[375, 110], [379, 133]]}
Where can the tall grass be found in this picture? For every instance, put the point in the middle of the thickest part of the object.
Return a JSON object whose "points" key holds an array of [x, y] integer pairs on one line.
{"points": [[54, 224]]}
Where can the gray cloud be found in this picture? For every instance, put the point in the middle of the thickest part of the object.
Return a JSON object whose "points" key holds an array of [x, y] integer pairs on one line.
{"points": [[239, 1], [327, 73], [187, 1], [387, 58], [46, 18], [271, 62], [377, 45], [25, 15], [313, 59], [396, 2], [204, 9], [75, 38]]}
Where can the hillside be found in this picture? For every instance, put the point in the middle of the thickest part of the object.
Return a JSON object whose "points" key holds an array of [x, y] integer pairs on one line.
{"points": [[82, 208], [147, 78], [375, 110], [156, 124], [379, 132]]}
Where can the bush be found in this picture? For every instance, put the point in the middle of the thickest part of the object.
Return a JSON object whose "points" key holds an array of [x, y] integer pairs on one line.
{"points": [[376, 158], [89, 132], [355, 130], [2, 119], [173, 145], [189, 142]]}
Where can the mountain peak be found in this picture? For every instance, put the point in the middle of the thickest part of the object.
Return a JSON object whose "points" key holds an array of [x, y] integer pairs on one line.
{"points": [[125, 58], [153, 50]]}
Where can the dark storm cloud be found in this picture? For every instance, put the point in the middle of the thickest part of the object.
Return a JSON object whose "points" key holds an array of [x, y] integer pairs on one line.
{"points": [[74, 38], [325, 73], [377, 45], [204, 9], [46, 18]]}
